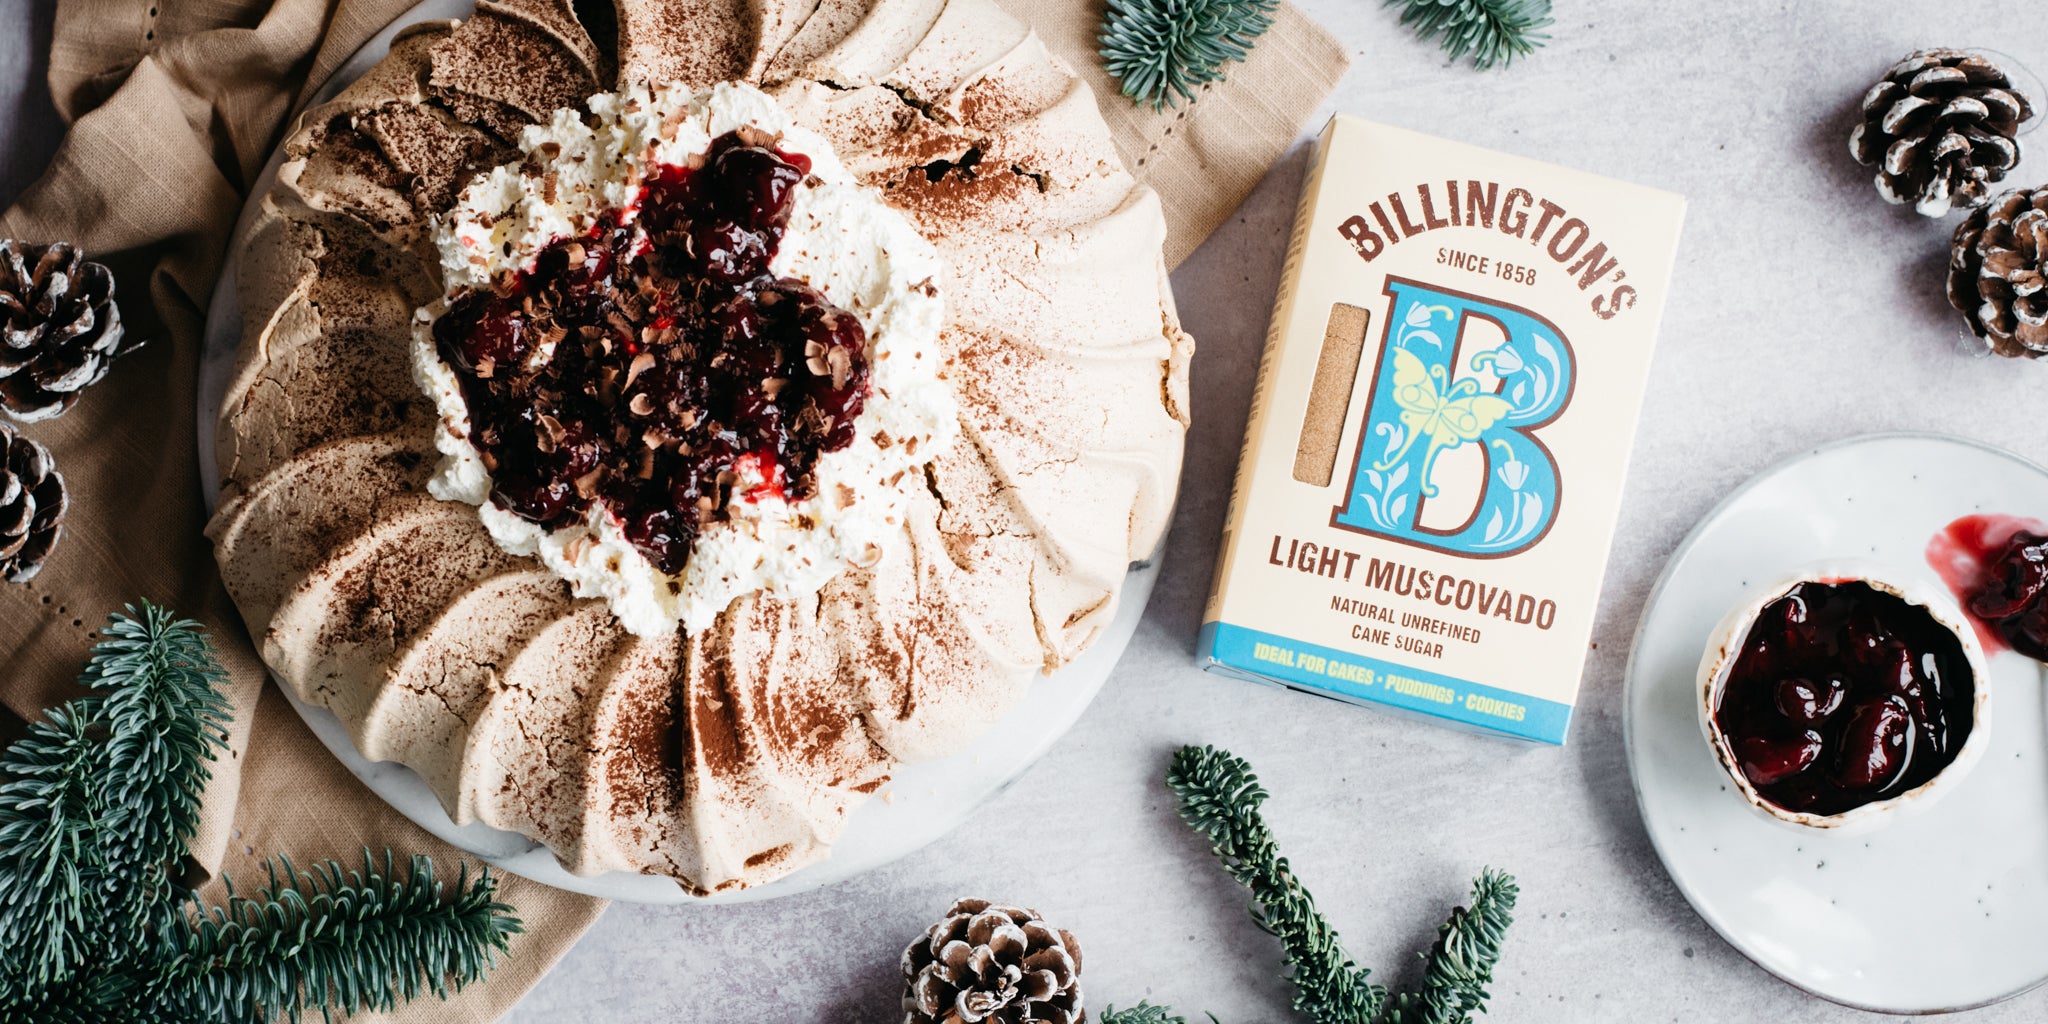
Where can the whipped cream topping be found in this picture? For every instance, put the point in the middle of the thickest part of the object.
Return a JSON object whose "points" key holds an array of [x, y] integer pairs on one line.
{"points": [[841, 239]]}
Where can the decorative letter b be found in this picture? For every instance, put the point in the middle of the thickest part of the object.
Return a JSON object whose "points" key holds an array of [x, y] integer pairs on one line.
{"points": [[1422, 409]]}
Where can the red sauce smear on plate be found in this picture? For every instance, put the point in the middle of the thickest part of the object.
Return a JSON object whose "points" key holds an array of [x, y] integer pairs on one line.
{"points": [[1967, 555]]}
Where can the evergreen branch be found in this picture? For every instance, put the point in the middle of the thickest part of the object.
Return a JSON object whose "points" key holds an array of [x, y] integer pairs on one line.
{"points": [[1492, 31], [1461, 963], [98, 994], [50, 882], [1161, 51], [1220, 798], [97, 806], [164, 718], [1144, 1013], [353, 941]]}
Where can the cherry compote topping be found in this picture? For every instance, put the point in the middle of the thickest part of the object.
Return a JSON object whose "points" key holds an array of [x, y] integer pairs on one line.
{"points": [[649, 363], [2013, 597], [1843, 695]]}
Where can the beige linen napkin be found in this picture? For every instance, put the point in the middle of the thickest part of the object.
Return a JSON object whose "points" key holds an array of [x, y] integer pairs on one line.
{"points": [[174, 107], [1204, 157]]}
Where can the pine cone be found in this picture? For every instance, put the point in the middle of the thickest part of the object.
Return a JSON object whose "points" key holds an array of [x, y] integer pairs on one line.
{"points": [[59, 328], [989, 962], [32, 505], [1939, 128], [1995, 273]]}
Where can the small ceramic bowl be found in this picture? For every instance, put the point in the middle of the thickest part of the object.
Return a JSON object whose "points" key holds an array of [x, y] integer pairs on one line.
{"points": [[1726, 646]]}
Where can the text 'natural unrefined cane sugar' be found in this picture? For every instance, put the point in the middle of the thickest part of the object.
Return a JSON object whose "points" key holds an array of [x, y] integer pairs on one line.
{"points": [[1440, 429]]}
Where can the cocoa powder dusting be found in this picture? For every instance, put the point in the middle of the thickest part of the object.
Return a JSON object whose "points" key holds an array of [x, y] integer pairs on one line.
{"points": [[504, 71], [712, 731], [776, 694], [649, 731], [766, 857], [974, 188]]}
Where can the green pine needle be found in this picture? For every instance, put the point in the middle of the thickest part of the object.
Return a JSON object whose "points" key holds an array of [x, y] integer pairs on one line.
{"points": [[95, 995], [1460, 965], [1491, 31], [325, 938], [1144, 1013], [1161, 51], [1220, 798], [50, 883], [97, 805], [164, 717]]}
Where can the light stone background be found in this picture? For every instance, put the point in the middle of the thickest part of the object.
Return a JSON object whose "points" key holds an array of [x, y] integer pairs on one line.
{"points": [[1803, 310]]}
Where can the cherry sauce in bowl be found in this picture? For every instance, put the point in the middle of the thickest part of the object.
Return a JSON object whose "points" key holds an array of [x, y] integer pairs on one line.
{"points": [[1833, 698]]}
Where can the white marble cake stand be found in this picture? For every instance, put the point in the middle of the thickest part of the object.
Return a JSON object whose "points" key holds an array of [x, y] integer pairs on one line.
{"points": [[926, 800]]}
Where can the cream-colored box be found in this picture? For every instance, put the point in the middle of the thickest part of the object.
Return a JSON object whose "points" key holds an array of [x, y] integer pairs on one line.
{"points": [[1440, 429]]}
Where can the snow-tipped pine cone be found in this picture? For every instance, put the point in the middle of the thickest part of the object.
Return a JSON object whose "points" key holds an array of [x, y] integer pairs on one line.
{"points": [[1940, 127], [59, 328], [32, 506], [1995, 273], [995, 963]]}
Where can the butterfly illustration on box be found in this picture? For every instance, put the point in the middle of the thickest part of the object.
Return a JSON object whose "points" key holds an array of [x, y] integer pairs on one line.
{"points": [[1447, 416], [1423, 408]]}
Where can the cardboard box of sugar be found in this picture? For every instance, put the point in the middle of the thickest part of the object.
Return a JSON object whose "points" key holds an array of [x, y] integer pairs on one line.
{"points": [[1441, 425]]}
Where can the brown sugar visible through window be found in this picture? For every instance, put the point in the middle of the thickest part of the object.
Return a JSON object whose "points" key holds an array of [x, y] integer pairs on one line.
{"points": [[1329, 397]]}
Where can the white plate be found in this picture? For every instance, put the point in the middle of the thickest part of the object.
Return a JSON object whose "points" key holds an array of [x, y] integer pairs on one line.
{"points": [[1940, 911], [923, 801]]}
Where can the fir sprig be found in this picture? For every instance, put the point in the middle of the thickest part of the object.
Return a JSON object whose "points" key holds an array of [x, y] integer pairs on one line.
{"points": [[97, 805], [94, 994], [164, 718], [1220, 798], [302, 941], [1144, 1013], [1161, 51], [1492, 31], [1460, 965], [50, 885]]}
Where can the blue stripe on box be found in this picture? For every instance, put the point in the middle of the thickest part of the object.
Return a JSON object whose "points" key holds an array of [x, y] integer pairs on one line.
{"points": [[1354, 677]]}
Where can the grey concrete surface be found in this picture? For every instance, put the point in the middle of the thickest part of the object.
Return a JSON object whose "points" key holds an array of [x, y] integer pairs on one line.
{"points": [[1804, 309]]}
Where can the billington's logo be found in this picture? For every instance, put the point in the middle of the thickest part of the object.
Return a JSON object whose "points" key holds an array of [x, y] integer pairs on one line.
{"points": [[1446, 460]]}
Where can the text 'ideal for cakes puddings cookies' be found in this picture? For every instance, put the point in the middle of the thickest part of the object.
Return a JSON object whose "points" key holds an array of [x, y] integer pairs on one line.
{"points": [[1433, 467]]}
